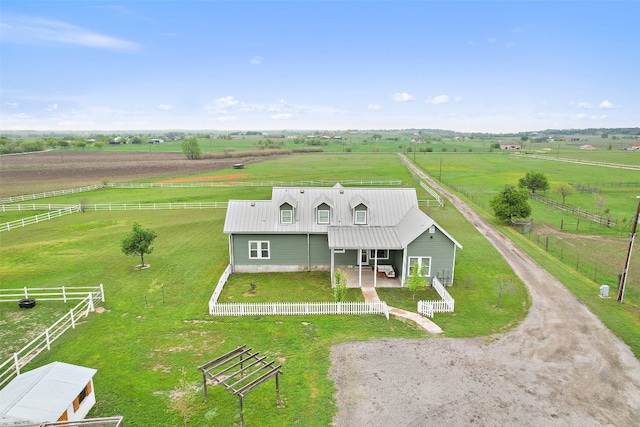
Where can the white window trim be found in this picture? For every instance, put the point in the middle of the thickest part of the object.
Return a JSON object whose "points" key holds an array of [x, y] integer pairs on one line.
{"points": [[328, 221], [432, 229], [282, 218], [355, 217], [260, 246], [373, 252], [421, 263]]}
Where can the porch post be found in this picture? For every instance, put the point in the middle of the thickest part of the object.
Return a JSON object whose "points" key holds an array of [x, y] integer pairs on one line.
{"points": [[333, 282], [404, 266], [375, 268], [360, 268]]}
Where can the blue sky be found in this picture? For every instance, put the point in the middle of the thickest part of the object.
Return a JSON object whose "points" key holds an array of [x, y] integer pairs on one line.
{"points": [[480, 66]]}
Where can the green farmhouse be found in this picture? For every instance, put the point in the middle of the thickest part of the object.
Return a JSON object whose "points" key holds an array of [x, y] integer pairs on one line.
{"points": [[375, 234]]}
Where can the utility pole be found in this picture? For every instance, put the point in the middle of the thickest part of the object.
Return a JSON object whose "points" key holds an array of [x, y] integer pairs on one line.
{"points": [[625, 271]]}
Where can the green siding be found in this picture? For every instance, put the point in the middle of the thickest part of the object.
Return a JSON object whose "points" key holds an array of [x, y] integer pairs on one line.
{"points": [[319, 249], [440, 249], [285, 249]]}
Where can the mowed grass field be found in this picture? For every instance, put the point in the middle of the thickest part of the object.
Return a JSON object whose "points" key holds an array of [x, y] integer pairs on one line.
{"points": [[155, 331]]}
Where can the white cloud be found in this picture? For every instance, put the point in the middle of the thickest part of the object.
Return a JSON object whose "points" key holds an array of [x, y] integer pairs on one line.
{"points": [[283, 116], [604, 116], [256, 60], [12, 105], [34, 30], [606, 105], [583, 105], [374, 107], [492, 40], [440, 99], [402, 97], [510, 45], [165, 107], [52, 107]]}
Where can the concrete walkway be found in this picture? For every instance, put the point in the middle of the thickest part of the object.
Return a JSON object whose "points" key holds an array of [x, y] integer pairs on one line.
{"points": [[370, 295]]}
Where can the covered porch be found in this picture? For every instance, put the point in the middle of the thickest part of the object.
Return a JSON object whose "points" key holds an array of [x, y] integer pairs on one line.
{"points": [[368, 278]]}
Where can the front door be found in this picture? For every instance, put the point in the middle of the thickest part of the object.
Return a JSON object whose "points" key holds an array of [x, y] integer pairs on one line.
{"points": [[364, 257]]}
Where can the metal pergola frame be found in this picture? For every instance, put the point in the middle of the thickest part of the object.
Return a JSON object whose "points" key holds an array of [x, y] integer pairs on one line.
{"points": [[240, 371]]}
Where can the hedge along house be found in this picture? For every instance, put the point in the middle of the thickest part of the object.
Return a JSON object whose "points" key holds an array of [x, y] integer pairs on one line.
{"points": [[378, 231]]}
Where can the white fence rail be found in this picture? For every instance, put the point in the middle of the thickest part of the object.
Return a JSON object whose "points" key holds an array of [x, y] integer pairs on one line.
{"points": [[19, 223], [62, 293], [431, 191], [47, 194], [11, 367], [299, 308], [256, 184], [445, 305]]}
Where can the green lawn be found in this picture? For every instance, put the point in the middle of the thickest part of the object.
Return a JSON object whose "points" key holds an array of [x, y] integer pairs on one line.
{"points": [[155, 329]]}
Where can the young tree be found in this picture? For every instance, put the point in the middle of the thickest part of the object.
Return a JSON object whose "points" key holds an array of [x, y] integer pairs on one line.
{"points": [[534, 181], [510, 202], [563, 190], [191, 149], [340, 290], [138, 242], [416, 280]]}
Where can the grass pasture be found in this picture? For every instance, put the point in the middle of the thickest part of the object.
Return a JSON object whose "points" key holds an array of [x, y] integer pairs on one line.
{"points": [[155, 329]]}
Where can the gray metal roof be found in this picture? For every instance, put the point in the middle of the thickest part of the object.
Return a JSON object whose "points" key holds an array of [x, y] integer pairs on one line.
{"points": [[393, 217], [44, 393], [386, 207]]}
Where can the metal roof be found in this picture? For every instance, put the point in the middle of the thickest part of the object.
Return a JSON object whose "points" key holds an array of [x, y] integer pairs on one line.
{"points": [[393, 217], [386, 207], [44, 393]]}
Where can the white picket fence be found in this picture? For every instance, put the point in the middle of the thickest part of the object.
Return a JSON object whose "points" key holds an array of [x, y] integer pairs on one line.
{"points": [[299, 308], [445, 305], [11, 367], [19, 223]]}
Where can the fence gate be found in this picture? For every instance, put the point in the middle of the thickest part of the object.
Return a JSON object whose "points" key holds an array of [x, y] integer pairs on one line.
{"points": [[240, 371]]}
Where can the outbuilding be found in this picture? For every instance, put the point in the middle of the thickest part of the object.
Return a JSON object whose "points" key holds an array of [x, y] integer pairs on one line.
{"points": [[54, 392]]}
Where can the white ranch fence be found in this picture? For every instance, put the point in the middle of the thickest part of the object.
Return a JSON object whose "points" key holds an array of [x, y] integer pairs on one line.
{"points": [[218, 290], [47, 194], [299, 308], [445, 305], [19, 223], [11, 367], [62, 293], [431, 191]]}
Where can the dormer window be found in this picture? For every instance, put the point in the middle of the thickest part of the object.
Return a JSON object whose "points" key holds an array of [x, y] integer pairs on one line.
{"points": [[323, 214], [286, 214], [360, 215]]}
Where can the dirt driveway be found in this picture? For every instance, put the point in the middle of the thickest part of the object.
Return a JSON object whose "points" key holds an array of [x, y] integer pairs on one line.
{"points": [[561, 366]]}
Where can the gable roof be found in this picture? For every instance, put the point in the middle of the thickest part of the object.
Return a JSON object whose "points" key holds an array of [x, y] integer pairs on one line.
{"points": [[386, 207], [44, 393], [393, 218]]}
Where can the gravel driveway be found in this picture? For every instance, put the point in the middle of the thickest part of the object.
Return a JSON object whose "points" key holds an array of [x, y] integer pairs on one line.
{"points": [[561, 366]]}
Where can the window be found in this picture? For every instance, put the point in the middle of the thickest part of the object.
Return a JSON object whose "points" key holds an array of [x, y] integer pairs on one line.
{"points": [[286, 216], [323, 216], [339, 251], [423, 262], [432, 229], [381, 253], [259, 249], [360, 217]]}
